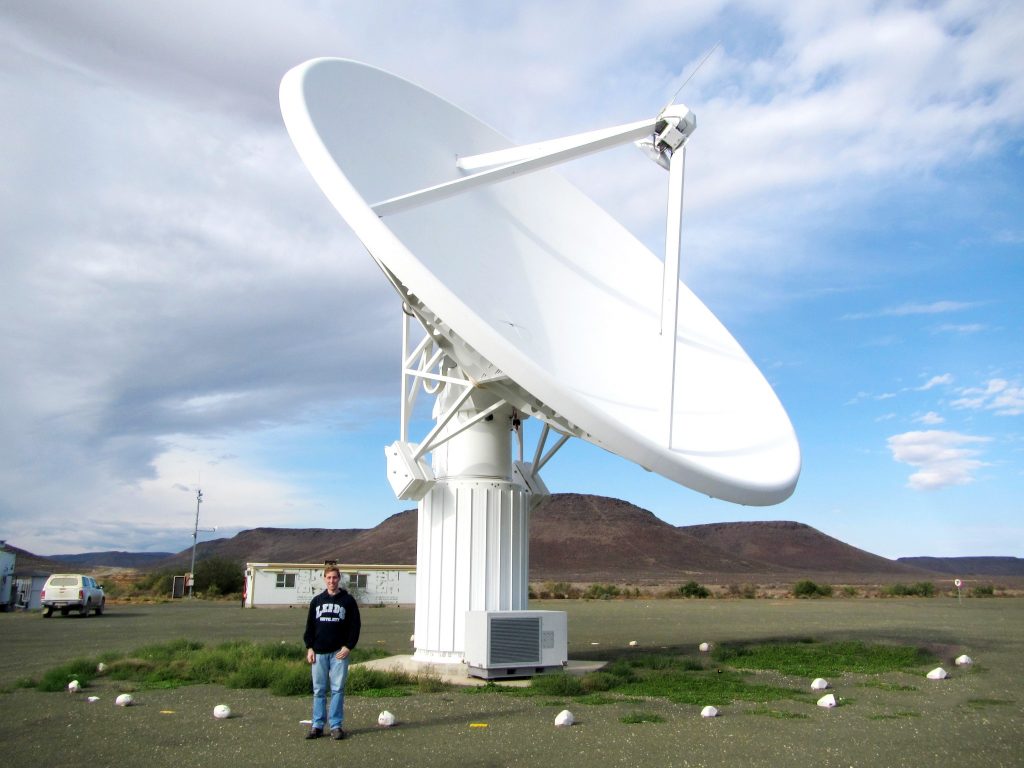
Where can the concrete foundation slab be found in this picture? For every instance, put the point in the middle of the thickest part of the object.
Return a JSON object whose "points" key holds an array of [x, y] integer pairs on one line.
{"points": [[457, 674]]}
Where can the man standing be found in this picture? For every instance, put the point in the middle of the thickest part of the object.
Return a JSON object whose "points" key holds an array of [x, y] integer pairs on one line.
{"points": [[332, 631]]}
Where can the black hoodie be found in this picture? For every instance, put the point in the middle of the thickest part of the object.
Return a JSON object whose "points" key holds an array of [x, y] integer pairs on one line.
{"points": [[332, 622]]}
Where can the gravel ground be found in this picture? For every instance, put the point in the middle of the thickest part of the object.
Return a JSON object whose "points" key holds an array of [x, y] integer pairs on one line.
{"points": [[974, 718]]}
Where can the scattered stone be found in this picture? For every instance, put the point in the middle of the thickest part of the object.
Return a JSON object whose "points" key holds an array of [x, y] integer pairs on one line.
{"points": [[124, 700], [222, 711], [101, 667], [632, 643], [564, 719], [704, 647], [92, 699], [964, 660], [819, 684], [74, 687], [709, 711], [938, 674], [385, 719], [828, 701]]}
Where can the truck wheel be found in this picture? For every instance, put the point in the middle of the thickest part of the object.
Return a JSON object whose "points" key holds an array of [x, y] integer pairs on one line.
{"points": [[64, 611], [99, 608], [84, 610], [48, 612]]}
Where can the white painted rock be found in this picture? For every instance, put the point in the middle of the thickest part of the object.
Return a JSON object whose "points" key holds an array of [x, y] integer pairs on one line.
{"points": [[564, 718], [964, 661], [74, 687], [385, 719], [101, 667], [819, 684], [704, 647], [938, 674], [412, 638], [93, 699], [632, 643], [828, 700], [709, 711], [222, 711], [124, 700]]}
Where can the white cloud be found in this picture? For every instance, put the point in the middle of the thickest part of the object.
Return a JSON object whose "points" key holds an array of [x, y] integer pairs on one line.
{"points": [[906, 310], [170, 268], [963, 328], [158, 513], [934, 381], [931, 418], [1004, 398], [942, 458]]}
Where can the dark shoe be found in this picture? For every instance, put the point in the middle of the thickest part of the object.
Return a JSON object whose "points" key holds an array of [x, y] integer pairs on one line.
{"points": [[315, 733], [337, 734]]}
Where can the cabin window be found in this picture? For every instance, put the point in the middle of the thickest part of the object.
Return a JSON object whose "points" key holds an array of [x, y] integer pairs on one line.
{"points": [[286, 580], [357, 580]]}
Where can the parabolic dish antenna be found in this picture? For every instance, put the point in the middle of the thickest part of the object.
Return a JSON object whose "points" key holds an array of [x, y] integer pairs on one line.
{"points": [[535, 290]]}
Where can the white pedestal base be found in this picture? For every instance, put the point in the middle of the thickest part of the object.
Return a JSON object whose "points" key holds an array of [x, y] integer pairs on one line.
{"points": [[472, 554]]}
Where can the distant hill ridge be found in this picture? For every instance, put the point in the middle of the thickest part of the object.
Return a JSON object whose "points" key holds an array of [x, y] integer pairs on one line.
{"points": [[140, 560], [964, 566], [579, 537]]}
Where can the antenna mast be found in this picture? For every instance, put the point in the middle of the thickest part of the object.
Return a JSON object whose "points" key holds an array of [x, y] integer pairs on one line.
{"points": [[195, 537]]}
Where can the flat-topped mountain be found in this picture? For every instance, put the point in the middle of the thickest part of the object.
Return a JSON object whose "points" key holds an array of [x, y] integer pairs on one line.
{"points": [[576, 537], [969, 566], [785, 544]]}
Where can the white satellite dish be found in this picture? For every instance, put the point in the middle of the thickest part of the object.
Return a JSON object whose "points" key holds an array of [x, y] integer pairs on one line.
{"points": [[535, 302]]}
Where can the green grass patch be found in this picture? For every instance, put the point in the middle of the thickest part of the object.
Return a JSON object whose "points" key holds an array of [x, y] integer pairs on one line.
{"points": [[260, 674], [989, 702], [431, 684], [702, 687], [634, 718], [920, 589], [280, 667], [678, 679], [292, 679], [556, 685], [362, 679], [57, 679], [894, 716], [778, 714], [598, 699], [685, 680], [808, 588], [882, 685], [815, 659]]}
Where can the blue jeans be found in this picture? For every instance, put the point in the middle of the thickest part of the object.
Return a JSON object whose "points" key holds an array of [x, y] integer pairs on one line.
{"points": [[328, 669]]}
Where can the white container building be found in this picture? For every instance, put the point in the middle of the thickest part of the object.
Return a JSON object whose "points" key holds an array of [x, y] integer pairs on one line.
{"points": [[295, 584]]}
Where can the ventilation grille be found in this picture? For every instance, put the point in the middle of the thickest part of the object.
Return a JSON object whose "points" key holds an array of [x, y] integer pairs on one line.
{"points": [[515, 640]]}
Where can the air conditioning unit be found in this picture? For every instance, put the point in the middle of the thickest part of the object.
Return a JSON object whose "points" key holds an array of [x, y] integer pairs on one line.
{"points": [[515, 643]]}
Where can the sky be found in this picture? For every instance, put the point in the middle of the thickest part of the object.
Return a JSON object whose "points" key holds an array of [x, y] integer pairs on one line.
{"points": [[180, 306]]}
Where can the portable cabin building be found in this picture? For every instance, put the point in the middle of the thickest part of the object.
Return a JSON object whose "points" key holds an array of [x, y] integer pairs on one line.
{"points": [[29, 586], [283, 584], [8, 595]]}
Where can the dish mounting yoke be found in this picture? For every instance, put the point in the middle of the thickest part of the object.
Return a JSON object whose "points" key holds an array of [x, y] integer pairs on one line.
{"points": [[474, 498]]}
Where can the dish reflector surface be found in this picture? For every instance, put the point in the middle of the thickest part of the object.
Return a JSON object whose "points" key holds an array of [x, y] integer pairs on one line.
{"points": [[529, 279]]}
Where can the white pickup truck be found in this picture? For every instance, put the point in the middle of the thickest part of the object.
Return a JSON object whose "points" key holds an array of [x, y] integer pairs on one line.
{"points": [[67, 591]]}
